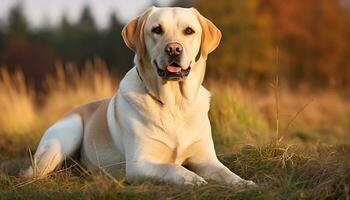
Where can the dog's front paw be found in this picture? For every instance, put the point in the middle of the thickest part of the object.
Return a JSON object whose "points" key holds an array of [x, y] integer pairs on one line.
{"points": [[194, 179], [245, 183], [250, 183], [199, 181]]}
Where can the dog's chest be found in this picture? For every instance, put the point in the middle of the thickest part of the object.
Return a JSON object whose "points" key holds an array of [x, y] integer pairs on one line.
{"points": [[178, 121], [175, 132], [165, 133]]}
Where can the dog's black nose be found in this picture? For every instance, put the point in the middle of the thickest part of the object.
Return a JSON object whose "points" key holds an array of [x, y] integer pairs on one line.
{"points": [[173, 49]]}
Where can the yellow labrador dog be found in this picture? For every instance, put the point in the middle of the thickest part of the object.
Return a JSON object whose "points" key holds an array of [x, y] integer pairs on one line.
{"points": [[158, 122]]}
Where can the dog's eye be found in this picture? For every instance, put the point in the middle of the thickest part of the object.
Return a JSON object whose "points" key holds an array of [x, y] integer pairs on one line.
{"points": [[188, 31], [157, 30]]}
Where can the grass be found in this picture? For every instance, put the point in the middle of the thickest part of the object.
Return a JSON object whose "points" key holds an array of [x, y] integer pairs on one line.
{"points": [[310, 162], [17, 103], [281, 172]]}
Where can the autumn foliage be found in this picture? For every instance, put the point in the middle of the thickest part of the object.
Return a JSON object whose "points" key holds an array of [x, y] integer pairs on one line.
{"points": [[310, 36]]}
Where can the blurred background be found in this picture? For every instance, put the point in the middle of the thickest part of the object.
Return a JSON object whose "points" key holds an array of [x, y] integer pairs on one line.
{"points": [[55, 55], [311, 37]]}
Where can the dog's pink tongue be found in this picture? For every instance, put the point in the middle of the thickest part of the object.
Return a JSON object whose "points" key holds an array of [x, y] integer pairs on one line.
{"points": [[173, 69]]}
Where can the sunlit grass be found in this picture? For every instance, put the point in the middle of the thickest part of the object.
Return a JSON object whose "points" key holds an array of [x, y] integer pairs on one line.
{"points": [[282, 172], [17, 103], [23, 110], [69, 88], [235, 121]]}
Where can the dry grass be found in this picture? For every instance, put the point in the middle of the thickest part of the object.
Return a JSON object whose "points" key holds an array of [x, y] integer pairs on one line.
{"points": [[235, 119], [25, 111], [16, 103], [311, 162], [282, 172], [70, 88]]}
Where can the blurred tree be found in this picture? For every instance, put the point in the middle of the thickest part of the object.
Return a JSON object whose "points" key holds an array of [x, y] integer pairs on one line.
{"points": [[23, 50], [32, 58], [17, 23], [312, 37], [246, 49], [2, 41], [183, 3], [155, 3], [88, 39], [65, 41], [86, 22], [114, 51]]}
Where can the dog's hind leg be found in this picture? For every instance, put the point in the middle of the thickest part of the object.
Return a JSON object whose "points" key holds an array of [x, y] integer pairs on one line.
{"points": [[61, 140]]}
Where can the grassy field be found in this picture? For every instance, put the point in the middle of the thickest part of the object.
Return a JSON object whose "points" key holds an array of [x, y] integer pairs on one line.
{"points": [[306, 157]]}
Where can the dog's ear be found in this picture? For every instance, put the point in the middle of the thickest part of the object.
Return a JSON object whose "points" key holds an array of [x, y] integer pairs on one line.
{"points": [[211, 35], [133, 35]]}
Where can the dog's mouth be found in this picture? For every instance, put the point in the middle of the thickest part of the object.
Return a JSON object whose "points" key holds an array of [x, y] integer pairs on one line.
{"points": [[173, 72]]}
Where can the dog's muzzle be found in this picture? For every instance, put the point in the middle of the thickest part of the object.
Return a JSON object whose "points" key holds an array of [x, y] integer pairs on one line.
{"points": [[169, 75]]}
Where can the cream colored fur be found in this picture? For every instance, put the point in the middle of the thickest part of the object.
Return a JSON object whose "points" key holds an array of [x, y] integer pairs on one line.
{"points": [[153, 127]]}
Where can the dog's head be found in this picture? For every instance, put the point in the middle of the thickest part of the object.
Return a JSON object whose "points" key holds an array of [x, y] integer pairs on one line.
{"points": [[171, 40]]}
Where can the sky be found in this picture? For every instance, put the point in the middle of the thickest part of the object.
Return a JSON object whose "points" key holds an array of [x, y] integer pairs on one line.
{"points": [[50, 12]]}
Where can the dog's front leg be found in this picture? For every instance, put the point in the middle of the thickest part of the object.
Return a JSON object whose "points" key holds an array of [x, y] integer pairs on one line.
{"points": [[206, 164], [162, 171], [215, 170]]}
